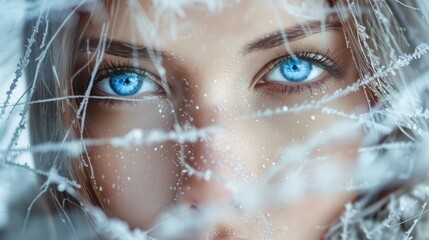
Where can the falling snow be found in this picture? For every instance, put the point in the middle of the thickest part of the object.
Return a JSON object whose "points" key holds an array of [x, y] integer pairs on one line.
{"points": [[187, 161]]}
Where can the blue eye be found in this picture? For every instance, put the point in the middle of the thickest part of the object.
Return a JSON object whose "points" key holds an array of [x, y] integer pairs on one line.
{"points": [[294, 71], [127, 84]]}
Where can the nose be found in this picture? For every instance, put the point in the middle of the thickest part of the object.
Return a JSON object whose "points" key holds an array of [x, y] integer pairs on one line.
{"points": [[209, 156]]}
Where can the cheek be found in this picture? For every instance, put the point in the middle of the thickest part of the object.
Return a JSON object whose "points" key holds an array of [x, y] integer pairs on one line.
{"points": [[137, 182], [324, 137], [307, 144], [270, 146]]}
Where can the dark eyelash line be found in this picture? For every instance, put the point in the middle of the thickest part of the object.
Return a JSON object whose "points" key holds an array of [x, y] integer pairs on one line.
{"points": [[127, 102], [314, 87], [109, 68], [326, 61], [125, 67], [332, 66]]}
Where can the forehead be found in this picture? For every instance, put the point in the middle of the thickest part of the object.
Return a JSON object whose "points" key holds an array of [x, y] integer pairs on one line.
{"points": [[161, 22]]}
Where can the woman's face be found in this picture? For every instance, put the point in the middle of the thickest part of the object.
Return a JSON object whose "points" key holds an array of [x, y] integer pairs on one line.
{"points": [[256, 79]]}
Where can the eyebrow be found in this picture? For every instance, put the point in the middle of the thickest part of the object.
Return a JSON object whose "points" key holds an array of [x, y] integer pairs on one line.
{"points": [[121, 49], [293, 34]]}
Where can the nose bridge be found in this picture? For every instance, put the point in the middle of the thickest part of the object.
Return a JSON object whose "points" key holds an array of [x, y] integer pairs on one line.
{"points": [[207, 155], [210, 97]]}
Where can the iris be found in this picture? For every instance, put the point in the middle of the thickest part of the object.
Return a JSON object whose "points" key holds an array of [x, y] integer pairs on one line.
{"points": [[295, 70], [126, 84]]}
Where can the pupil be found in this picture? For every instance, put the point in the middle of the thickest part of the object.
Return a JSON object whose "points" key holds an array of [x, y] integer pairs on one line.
{"points": [[295, 67]]}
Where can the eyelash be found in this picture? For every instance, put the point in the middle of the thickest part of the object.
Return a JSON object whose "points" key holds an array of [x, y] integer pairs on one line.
{"points": [[323, 60], [111, 67], [116, 68]]}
